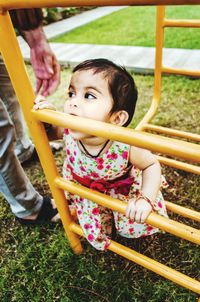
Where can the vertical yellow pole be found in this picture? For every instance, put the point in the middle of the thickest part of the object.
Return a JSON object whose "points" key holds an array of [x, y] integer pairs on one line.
{"points": [[11, 54], [159, 52], [158, 68]]}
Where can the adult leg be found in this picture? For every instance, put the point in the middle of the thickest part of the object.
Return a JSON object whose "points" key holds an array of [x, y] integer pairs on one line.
{"points": [[14, 184], [24, 147]]}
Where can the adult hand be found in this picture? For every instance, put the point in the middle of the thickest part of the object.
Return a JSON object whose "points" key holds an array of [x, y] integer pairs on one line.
{"points": [[46, 69], [44, 62]]}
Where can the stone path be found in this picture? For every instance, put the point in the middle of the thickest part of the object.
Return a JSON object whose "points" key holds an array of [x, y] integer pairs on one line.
{"points": [[139, 59]]}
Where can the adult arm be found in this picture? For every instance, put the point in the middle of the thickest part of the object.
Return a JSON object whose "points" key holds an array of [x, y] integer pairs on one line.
{"points": [[43, 60]]}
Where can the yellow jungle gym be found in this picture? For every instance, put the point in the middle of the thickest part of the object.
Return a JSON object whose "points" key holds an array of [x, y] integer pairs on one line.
{"points": [[172, 147]]}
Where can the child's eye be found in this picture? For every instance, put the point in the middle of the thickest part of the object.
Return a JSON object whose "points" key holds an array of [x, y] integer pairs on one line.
{"points": [[71, 94], [89, 96]]}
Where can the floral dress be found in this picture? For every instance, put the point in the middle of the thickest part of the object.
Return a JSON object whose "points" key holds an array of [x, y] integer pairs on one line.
{"points": [[110, 173]]}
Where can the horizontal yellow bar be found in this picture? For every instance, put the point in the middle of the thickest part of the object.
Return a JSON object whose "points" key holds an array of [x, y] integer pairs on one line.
{"points": [[195, 73], [133, 137], [181, 23], [148, 263], [12, 4], [188, 213], [179, 164], [156, 220], [173, 132]]}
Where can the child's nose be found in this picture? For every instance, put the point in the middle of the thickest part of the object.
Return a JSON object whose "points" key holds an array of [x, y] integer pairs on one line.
{"points": [[73, 105], [73, 102]]}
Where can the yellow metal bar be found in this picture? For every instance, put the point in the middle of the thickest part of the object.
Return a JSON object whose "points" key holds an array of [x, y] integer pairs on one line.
{"points": [[150, 113], [141, 139], [156, 220], [161, 23], [10, 51], [158, 68], [12, 4], [148, 263], [186, 72], [173, 132], [182, 23], [179, 165], [188, 213]]}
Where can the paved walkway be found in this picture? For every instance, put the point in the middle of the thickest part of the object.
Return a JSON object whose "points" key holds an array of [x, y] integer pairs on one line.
{"points": [[139, 59], [55, 29]]}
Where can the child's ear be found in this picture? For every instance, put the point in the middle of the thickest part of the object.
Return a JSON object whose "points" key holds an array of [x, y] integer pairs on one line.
{"points": [[119, 118]]}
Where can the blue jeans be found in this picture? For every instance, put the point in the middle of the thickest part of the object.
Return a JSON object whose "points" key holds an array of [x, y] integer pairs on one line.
{"points": [[24, 200]]}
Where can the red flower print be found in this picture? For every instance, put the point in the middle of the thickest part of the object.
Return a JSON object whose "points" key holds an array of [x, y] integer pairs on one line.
{"points": [[149, 228], [98, 225], [108, 166], [90, 237], [94, 174], [113, 155], [79, 212], [100, 160], [106, 245], [87, 226], [95, 211], [100, 167], [160, 204], [131, 230], [71, 159], [125, 155], [74, 152], [67, 151], [82, 168]]}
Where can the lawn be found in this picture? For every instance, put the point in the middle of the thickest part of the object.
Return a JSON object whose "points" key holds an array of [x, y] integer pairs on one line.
{"points": [[37, 264], [135, 26]]}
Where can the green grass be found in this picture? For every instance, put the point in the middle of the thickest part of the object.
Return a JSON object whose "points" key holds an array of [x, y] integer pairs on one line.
{"points": [[37, 264], [136, 26]]}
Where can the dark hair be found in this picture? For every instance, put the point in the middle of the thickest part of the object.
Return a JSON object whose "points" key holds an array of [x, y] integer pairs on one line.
{"points": [[121, 84]]}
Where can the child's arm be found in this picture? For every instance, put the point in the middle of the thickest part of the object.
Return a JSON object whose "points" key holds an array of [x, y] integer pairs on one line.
{"points": [[54, 132], [139, 208]]}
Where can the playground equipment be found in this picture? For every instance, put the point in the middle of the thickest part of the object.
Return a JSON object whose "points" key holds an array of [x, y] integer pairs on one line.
{"points": [[9, 49], [145, 125]]}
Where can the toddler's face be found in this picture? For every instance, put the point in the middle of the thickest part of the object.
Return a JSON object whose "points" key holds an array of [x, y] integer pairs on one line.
{"points": [[89, 97]]}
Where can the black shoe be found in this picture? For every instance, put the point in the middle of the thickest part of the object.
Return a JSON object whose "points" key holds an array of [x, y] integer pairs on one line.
{"points": [[45, 215]]}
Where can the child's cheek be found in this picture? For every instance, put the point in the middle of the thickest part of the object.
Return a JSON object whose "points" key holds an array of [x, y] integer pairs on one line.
{"points": [[66, 107]]}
